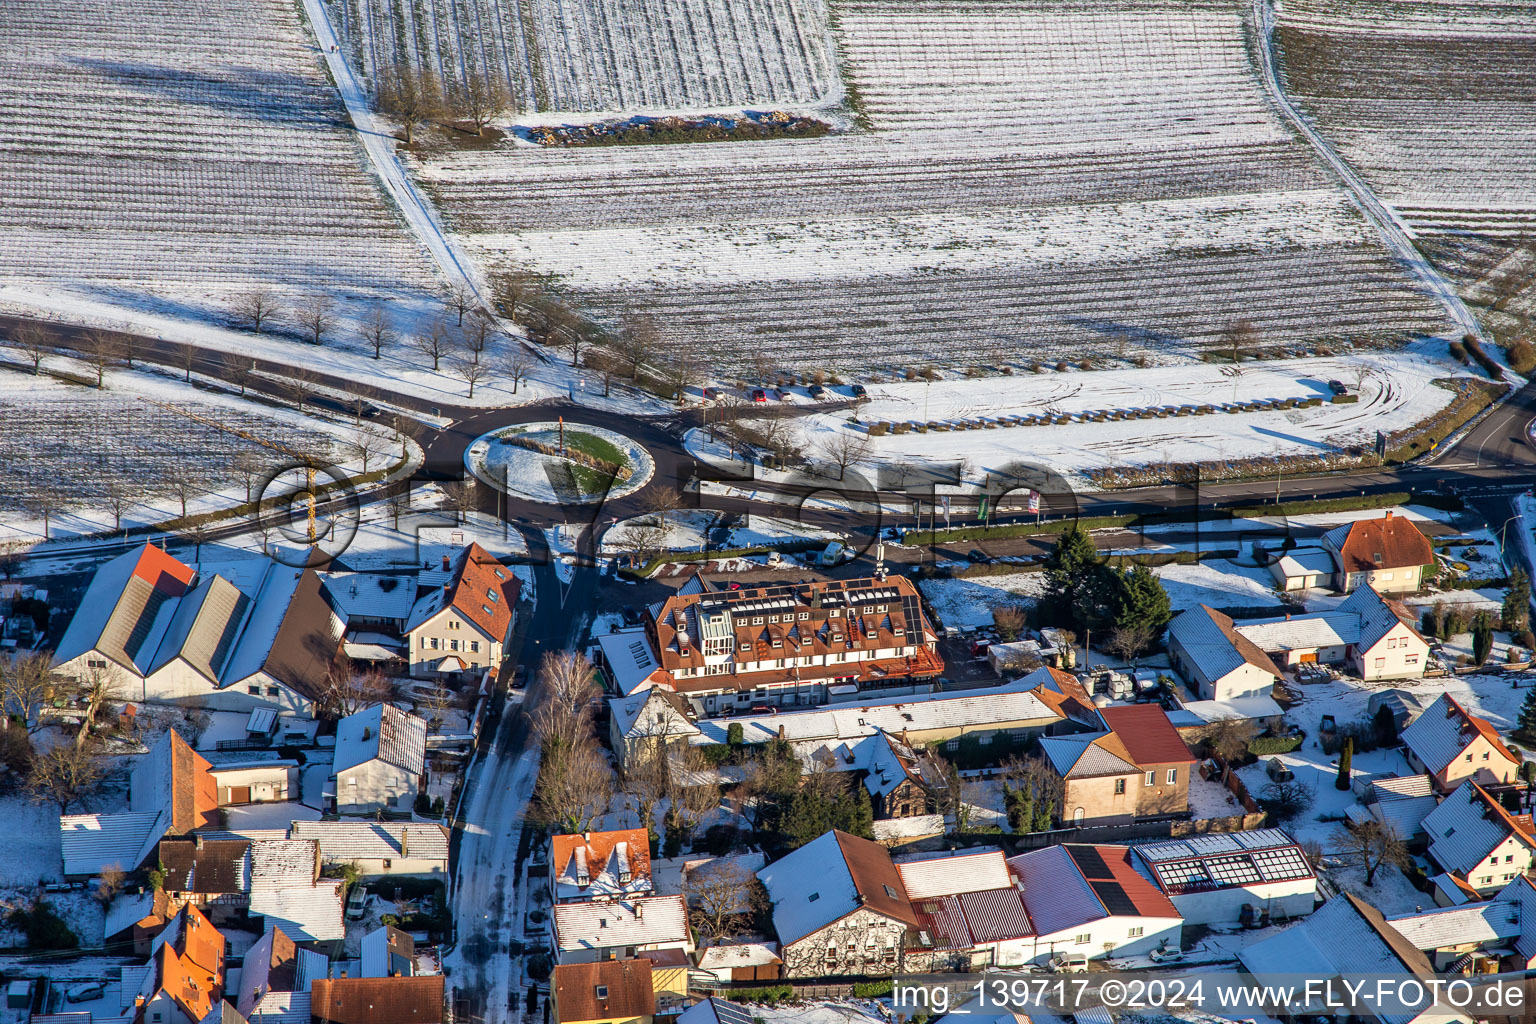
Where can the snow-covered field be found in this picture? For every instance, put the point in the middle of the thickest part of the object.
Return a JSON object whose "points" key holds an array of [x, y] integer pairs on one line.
{"points": [[182, 152], [1432, 101], [587, 55], [686, 531], [1126, 190], [1396, 390]]}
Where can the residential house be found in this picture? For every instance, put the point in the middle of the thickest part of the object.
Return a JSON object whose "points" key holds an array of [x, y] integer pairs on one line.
{"points": [[184, 979], [1452, 745], [839, 907], [1348, 937], [287, 890], [1522, 956], [648, 718], [605, 992], [136, 918], [1474, 838], [1471, 939], [372, 601], [1092, 901], [902, 782], [970, 913], [170, 792], [1233, 877], [275, 977], [166, 635], [619, 929], [793, 643], [600, 866], [254, 777], [381, 760], [628, 660], [414, 1000], [464, 627], [715, 1010], [670, 969], [1389, 554], [1138, 769], [388, 952], [1219, 662], [380, 847], [213, 874], [1367, 634], [1303, 568], [1061, 691]]}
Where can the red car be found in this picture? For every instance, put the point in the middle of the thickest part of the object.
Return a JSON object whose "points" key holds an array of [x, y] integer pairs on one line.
{"points": [[759, 395]]}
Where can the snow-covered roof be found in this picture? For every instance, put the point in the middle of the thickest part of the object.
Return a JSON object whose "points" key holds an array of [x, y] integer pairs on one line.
{"points": [[1454, 926], [829, 878], [92, 842], [601, 864], [127, 910], [630, 661], [1204, 863], [739, 954], [126, 608], [913, 826], [1522, 891], [652, 713], [1305, 562], [286, 891], [978, 708], [1071, 885], [634, 922], [1243, 708], [1404, 814], [1467, 826], [1215, 646], [262, 621], [951, 873], [381, 733], [1445, 729], [1302, 632], [371, 595], [342, 841]]}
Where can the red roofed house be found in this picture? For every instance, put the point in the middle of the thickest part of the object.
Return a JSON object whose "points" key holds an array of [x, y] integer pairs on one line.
{"points": [[600, 866], [405, 1000], [184, 979], [1452, 745], [1138, 769], [1091, 901], [464, 626], [1388, 553], [608, 992]]}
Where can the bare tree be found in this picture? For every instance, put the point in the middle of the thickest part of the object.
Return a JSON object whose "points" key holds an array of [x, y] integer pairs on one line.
{"points": [[660, 502], [258, 308], [481, 98], [575, 788], [606, 364], [398, 505], [316, 316], [64, 774], [695, 793], [181, 485], [99, 686], [1130, 640], [720, 896], [249, 467], [109, 883], [680, 368], [1010, 620], [846, 449], [471, 371], [647, 779], [477, 337], [26, 684], [119, 496], [1238, 339], [99, 351], [188, 356], [377, 330], [434, 343], [460, 497], [409, 95], [301, 386], [46, 500], [348, 691], [517, 365], [236, 369], [638, 341], [517, 288], [568, 686], [461, 299], [34, 344], [1373, 844], [367, 444]]}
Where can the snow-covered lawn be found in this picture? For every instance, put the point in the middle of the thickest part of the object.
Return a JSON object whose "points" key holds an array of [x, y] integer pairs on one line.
{"points": [[689, 531], [1219, 583], [532, 474], [33, 853], [968, 602]]}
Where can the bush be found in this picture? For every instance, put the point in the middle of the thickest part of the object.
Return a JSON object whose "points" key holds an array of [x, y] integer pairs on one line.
{"points": [[721, 839], [871, 989], [423, 805], [539, 967], [1264, 746], [735, 735], [767, 995], [1522, 357], [44, 928]]}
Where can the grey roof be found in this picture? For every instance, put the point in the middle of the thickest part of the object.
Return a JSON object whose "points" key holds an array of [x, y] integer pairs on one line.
{"points": [[1464, 829], [1056, 894], [286, 892], [92, 842], [203, 628], [1441, 733], [344, 840], [1080, 757], [1454, 926], [1300, 632], [1215, 644], [1523, 892], [385, 733], [371, 595]]}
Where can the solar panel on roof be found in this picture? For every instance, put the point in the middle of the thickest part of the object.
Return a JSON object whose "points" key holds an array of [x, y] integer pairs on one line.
{"points": [[1089, 862], [1281, 865], [1114, 898]]}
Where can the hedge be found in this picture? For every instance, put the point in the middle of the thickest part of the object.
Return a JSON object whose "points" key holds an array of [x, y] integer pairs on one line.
{"points": [[1264, 746], [1350, 504]]}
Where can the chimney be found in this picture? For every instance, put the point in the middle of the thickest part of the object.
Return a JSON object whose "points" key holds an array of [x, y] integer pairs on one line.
{"points": [[1287, 616], [197, 840], [367, 733], [405, 835], [781, 730], [1388, 515], [445, 563]]}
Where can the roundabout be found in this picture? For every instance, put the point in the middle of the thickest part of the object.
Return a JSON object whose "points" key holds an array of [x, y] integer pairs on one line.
{"points": [[559, 463]]}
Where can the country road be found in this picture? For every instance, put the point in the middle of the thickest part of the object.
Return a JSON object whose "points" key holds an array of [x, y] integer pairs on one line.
{"points": [[1393, 233]]}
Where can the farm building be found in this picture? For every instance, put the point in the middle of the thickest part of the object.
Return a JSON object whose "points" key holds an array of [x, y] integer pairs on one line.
{"points": [[1233, 878]]}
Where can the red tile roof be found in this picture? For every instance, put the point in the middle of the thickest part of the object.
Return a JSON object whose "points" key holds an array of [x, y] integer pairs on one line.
{"points": [[190, 967], [1112, 871], [194, 793], [414, 1000], [608, 990], [1396, 540], [484, 591], [1147, 734], [1481, 727], [599, 849], [162, 571]]}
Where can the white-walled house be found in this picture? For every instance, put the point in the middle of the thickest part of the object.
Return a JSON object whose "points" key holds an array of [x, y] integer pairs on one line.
{"points": [[1216, 659], [1091, 901], [1389, 554], [1222, 878], [381, 760], [1475, 839], [255, 780], [1451, 745], [463, 628], [588, 931]]}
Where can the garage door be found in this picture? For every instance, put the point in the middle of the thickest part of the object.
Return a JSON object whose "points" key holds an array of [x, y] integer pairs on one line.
{"points": [[1309, 656], [239, 794]]}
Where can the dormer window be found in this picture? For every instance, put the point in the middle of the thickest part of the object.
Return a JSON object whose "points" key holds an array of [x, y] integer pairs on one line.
{"points": [[601, 991], [491, 595], [757, 620], [1378, 558]]}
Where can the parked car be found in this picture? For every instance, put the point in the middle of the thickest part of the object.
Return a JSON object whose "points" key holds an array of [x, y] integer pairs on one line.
{"points": [[1068, 963], [356, 902], [1338, 387], [816, 391], [979, 648], [859, 391], [1166, 954], [976, 557], [759, 395], [711, 394]]}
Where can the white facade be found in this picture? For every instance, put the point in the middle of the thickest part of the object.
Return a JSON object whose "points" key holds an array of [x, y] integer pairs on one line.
{"points": [[375, 785], [1110, 936], [1283, 900], [1400, 654], [256, 784]]}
